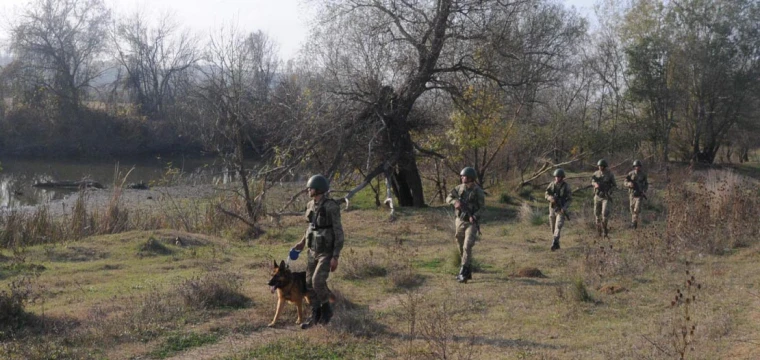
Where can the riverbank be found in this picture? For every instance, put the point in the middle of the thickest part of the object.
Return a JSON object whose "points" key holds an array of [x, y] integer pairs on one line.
{"points": [[153, 200]]}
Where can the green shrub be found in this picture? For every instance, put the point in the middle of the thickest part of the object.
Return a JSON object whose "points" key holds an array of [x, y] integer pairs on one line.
{"points": [[580, 292]]}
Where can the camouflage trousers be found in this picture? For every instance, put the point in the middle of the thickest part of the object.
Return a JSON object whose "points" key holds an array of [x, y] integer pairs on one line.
{"points": [[635, 207], [466, 236], [556, 221], [602, 208], [317, 272]]}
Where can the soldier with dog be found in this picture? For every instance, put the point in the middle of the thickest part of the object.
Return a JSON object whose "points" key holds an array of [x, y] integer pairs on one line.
{"points": [[324, 239], [637, 184], [559, 196], [468, 199], [603, 181]]}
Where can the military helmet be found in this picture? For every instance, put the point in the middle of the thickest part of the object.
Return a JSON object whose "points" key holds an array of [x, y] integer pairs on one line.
{"points": [[319, 183], [559, 172], [469, 172], [601, 162], [636, 162]]}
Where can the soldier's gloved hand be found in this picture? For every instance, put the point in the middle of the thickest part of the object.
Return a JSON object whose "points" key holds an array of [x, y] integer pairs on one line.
{"points": [[472, 219], [333, 264], [552, 199], [596, 185], [457, 204]]}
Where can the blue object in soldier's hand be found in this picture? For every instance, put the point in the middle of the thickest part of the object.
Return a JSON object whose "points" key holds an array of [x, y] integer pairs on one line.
{"points": [[294, 254]]}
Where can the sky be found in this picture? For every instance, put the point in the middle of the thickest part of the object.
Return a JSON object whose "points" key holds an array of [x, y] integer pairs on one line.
{"points": [[286, 21]]}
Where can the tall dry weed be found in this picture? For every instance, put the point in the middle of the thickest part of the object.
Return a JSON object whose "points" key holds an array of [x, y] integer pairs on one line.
{"points": [[677, 332], [529, 215], [435, 323], [714, 215]]}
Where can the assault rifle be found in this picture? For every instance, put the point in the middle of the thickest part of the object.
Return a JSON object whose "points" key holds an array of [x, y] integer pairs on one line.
{"points": [[636, 190], [603, 188], [560, 208], [464, 214]]}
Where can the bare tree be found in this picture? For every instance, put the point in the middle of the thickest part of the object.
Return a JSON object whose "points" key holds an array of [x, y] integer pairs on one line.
{"points": [[60, 40], [386, 54], [153, 57], [232, 99]]}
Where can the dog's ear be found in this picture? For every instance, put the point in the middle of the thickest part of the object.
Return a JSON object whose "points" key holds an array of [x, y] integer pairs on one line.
{"points": [[275, 263], [282, 264]]}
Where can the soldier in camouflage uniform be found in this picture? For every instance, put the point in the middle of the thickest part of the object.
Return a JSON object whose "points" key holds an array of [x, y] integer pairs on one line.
{"points": [[603, 181], [559, 195], [468, 200], [324, 239], [637, 184]]}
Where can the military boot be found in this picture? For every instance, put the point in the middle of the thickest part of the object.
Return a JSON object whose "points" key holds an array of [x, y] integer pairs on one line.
{"points": [[327, 313], [462, 277], [606, 231], [555, 243], [468, 275], [316, 316]]}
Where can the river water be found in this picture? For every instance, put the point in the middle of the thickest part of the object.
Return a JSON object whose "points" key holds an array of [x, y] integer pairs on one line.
{"points": [[17, 176]]}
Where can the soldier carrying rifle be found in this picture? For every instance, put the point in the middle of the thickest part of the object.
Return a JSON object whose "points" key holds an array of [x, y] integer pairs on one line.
{"points": [[637, 184], [468, 200], [559, 196], [603, 181]]}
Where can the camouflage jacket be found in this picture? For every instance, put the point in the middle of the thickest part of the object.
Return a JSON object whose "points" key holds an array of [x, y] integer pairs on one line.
{"points": [[474, 198], [640, 179], [561, 193], [325, 233], [606, 181]]}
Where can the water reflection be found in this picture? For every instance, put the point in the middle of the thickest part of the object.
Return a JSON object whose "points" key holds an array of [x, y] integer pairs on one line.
{"points": [[17, 177]]}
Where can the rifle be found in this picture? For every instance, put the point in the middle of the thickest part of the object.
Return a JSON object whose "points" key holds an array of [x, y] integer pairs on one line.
{"points": [[636, 190], [603, 188], [560, 208], [464, 213]]}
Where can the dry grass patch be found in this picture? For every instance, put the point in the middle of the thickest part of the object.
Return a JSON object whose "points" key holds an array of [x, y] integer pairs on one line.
{"points": [[213, 291], [529, 272], [612, 289]]}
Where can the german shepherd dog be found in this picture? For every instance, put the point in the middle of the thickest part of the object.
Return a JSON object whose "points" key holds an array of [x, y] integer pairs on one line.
{"points": [[291, 287]]}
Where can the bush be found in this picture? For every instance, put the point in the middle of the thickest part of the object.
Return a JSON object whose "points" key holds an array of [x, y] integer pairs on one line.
{"points": [[714, 215], [580, 293], [401, 272], [357, 266], [532, 216], [153, 247], [354, 319], [13, 303], [213, 291]]}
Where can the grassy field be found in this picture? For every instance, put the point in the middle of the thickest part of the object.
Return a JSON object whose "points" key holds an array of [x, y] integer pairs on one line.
{"points": [[685, 285]]}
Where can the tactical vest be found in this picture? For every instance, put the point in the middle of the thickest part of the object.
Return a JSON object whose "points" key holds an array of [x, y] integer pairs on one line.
{"points": [[470, 199], [560, 193], [320, 237]]}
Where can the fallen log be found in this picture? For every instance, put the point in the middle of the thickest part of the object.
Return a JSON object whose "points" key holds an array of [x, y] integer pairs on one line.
{"points": [[69, 184]]}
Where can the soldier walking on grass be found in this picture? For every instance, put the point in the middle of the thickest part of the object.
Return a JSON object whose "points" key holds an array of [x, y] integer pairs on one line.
{"points": [[324, 239], [559, 196], [637, 184], [603, 181], [468, 199]]}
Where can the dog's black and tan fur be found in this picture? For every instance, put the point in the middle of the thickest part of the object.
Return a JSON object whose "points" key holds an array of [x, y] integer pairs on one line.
{"points": [[291, 287]]}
